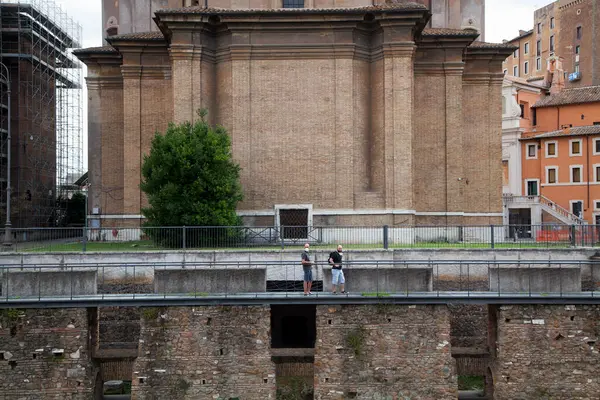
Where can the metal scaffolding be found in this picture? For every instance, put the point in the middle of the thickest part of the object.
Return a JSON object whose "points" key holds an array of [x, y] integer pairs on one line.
{"points": [[36, 42]]}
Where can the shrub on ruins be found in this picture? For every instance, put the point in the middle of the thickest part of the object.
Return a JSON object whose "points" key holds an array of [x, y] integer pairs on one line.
{"points": [[191, 180]]}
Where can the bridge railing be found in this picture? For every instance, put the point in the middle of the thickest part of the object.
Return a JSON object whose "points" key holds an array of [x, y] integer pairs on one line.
{"points": [[283, 237], [213, 281]]}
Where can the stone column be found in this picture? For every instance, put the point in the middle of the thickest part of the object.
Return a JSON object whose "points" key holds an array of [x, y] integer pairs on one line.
{"points": [[131, 138], [183, 82]]}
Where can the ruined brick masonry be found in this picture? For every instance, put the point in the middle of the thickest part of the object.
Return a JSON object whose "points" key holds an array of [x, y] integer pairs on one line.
{"points": [[372, 352], [45, 355], [204, 353], [546, 352]]}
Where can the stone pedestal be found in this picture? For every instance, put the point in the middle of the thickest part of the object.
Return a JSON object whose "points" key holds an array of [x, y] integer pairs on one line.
{"points": [[222, 280], [384, 280], [535, 279], [18, 283]]}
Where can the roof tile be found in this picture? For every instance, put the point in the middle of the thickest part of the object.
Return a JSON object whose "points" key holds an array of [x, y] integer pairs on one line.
{"points": [[101, 49], [588, 94], [576, 131], [450, 32], [215, 10], [137, 36]]}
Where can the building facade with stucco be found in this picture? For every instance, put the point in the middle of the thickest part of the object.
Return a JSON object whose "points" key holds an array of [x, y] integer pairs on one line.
{"points": [[338, 115]]}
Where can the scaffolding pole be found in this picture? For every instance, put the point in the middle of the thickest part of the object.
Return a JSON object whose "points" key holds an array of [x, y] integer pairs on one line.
{"points": [[37, 38]]}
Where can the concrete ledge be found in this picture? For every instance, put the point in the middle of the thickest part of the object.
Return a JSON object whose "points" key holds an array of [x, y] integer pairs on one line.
{"points": [[49, 283], [537, 279], [388, 280], [225, 280]]}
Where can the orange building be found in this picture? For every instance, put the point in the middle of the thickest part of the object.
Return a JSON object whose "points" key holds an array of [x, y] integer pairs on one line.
{"points": [[561, 156]]}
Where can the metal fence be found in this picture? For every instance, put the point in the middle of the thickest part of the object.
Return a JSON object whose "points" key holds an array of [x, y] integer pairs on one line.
{"points": [[368, 237], [456, 280]]}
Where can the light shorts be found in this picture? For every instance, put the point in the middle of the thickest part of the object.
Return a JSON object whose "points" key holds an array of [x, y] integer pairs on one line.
{"points": [[337, 277]]}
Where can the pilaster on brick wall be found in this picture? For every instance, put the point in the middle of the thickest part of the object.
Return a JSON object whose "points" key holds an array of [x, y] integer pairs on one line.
{"points": [[132, 131], [384, 351], [182, 66], [45, 354], [546, 351], [397, 52], [204, 353]]}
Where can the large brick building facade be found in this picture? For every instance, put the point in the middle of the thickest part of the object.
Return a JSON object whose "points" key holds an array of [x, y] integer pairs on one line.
{"points": [[359, 116]]}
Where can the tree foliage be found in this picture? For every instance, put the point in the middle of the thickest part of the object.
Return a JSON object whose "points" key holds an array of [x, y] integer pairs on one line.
{"points": [[190, 178]]}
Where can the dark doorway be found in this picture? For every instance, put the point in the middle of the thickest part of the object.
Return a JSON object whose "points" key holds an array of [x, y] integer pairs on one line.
{"points": [[577, 208], [293, 326], [294, 223], [292, 286], [519, 220]]}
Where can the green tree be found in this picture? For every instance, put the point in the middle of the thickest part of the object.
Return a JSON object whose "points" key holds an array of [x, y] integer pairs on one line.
{"points": [[191, 180]]}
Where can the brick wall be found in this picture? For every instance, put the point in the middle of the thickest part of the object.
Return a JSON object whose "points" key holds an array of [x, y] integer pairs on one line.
{"points": [[379, 351], [30, 367], [204, 352], [546, 351]]}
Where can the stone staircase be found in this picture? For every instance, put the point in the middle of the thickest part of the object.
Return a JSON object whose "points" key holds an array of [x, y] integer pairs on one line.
{"points": [[547, 205]]}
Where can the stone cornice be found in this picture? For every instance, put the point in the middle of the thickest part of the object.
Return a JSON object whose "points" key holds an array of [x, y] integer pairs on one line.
{"points": [[131, 71], [106, 82], [162, 72]]}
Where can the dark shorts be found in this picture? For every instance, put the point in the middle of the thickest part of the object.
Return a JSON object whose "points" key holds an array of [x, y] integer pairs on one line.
{"points": [[307, 274]]}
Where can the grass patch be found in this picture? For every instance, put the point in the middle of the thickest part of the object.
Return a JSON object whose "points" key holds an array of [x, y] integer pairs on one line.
{"points": [[150, 312], [375, 294], [470, 382], [197, 294]]}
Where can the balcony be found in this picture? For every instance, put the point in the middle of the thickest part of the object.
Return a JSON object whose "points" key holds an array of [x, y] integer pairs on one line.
{"points": [[575, 76]]}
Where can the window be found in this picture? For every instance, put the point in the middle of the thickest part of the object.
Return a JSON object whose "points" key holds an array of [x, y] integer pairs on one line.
{"points": [[538, 64], [538, 48], [551, 149], [575, 147], [539, 28], [532, 150], [551, 175], [575, 173], [526, 67], [596, 143], [505, 71], [526, 48], [579, 33], [534, 116], [515, 71], [293, 3], [596, 172], [576, 68], [531, 186], [552, 43], [577, 49], [551, 22], [577, 207], [516, 53], [596, 123], [522, 106], [294, 221]]}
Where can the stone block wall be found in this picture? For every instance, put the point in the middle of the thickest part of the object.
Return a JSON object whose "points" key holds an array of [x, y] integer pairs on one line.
{"points": [[546, 352], [44, 354], [384, 351], [204, 353]]}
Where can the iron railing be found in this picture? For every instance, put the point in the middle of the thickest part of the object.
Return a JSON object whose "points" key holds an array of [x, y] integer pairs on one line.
{"points": [[455, 280], [367, 237]]}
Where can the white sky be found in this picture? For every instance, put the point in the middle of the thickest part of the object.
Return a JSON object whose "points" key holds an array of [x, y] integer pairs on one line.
{"points": [[503, 20]]}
